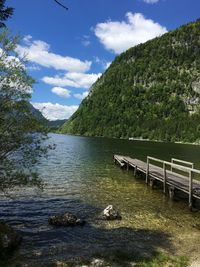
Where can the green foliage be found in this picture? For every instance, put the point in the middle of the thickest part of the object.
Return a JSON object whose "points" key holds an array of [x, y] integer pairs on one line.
{"points": [[21, 134], [127, 260], [162, 260], [147, 92], [5, 13]]}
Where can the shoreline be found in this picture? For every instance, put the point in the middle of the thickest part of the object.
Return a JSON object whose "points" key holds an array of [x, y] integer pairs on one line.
{"points": [[132, 139]]}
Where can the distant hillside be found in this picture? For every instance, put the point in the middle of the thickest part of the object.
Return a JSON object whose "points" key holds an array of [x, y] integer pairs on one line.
{"points": [[56, 123], [52, 125], [36, 113], [150, 91]]}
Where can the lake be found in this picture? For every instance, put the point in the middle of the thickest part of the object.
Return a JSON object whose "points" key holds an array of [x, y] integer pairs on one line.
{"points": [[80, 177]]}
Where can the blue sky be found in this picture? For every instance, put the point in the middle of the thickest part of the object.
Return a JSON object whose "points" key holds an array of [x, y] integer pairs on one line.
{"points": [[69, 50]]}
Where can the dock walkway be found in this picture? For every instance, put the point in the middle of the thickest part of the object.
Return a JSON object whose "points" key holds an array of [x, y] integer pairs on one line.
{"points": [[174, 175]]}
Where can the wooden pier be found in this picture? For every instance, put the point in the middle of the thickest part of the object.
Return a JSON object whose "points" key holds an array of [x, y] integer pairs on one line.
{"points": [[174, 175]]}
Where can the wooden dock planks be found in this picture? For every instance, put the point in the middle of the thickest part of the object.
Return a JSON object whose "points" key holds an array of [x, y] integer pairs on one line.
{"points": [[170, 179]]}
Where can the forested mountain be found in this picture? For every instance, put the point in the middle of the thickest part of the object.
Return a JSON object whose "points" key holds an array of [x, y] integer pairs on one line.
{"points": [[150, 91], [37, 114], [56, 123], [51, 125]]}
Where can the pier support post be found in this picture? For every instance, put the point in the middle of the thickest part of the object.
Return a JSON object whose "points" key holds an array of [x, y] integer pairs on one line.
{"points": [[147, 171], [151, 182], [171, 192], [190, 190], [164, 178], [127, 166], [135, 171]]}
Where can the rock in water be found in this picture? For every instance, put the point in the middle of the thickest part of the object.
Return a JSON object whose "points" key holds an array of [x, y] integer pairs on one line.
{"points": [[66, 219], [9, 239], [110, 213]]}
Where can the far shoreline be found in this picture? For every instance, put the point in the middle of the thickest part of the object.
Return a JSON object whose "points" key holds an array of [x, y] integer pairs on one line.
{"points": [[132, 139]]}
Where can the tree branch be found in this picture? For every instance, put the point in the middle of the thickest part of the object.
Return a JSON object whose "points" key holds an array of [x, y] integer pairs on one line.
{"points": [[61, 4]]}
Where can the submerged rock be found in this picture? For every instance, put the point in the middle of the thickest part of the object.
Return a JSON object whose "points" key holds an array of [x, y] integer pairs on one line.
{"points": [[9, 239], [97, 263], [66, 219], [196, 191], [110, 213]]}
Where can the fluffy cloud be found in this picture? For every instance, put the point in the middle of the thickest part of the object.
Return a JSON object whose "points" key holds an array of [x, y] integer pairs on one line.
{"points": [[55, 111], [105, 64], [62, 92], [119, 36], [73, 79], [39, 52], [81, 96], [151, 1], [33, 67]]}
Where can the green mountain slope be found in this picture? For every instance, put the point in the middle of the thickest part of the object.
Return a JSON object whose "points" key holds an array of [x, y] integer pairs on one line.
{"points": [[37, 114], [150, 91], [50, 125]]}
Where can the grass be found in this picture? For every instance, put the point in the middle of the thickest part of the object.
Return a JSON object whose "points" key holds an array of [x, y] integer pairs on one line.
{"points": [[119, 259], [163, 260]]}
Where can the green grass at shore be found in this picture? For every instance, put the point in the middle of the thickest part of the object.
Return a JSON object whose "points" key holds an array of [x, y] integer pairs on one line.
{"points": [[125, 260]]}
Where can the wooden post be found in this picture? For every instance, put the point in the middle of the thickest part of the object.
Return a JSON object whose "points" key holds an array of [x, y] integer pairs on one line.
{"points": [[147, 171], [190, 190], [135, 170], [164, 178], [171, 192], [152, 182], [127, 166]]}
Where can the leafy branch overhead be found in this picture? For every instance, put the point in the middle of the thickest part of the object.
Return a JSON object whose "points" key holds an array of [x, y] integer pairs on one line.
{"points": [[58, 2], [22, 135], [5, 13]]}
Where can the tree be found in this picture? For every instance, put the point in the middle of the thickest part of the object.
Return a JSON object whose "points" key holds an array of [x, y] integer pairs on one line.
{"points": [[5, 13], [21, 134]]}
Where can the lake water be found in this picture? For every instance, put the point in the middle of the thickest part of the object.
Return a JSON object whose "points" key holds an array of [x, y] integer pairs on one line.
{"points": [[80, 177]]}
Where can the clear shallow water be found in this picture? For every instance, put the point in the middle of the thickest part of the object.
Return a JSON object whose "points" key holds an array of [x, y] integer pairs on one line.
{"points": [[80, 177]]}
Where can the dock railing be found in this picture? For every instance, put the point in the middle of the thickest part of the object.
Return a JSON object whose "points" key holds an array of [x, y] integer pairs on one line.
{"points": [[190, 171], [182, 162]]}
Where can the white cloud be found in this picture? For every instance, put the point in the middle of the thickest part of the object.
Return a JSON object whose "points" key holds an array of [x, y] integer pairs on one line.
{"points": [[33, 67], [62, 92], [39, 52], [73, 79], [151, 1], [81, 96], [86, 40], [55, 111], [105, 64], [27, 39], [118, 36]]}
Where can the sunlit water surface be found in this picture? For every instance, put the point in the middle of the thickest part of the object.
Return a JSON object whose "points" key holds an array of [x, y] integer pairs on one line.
{"points": [[80, 177]]}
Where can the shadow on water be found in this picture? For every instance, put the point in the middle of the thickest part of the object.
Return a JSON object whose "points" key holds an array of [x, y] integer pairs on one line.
{"points": [[44, 244]]}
